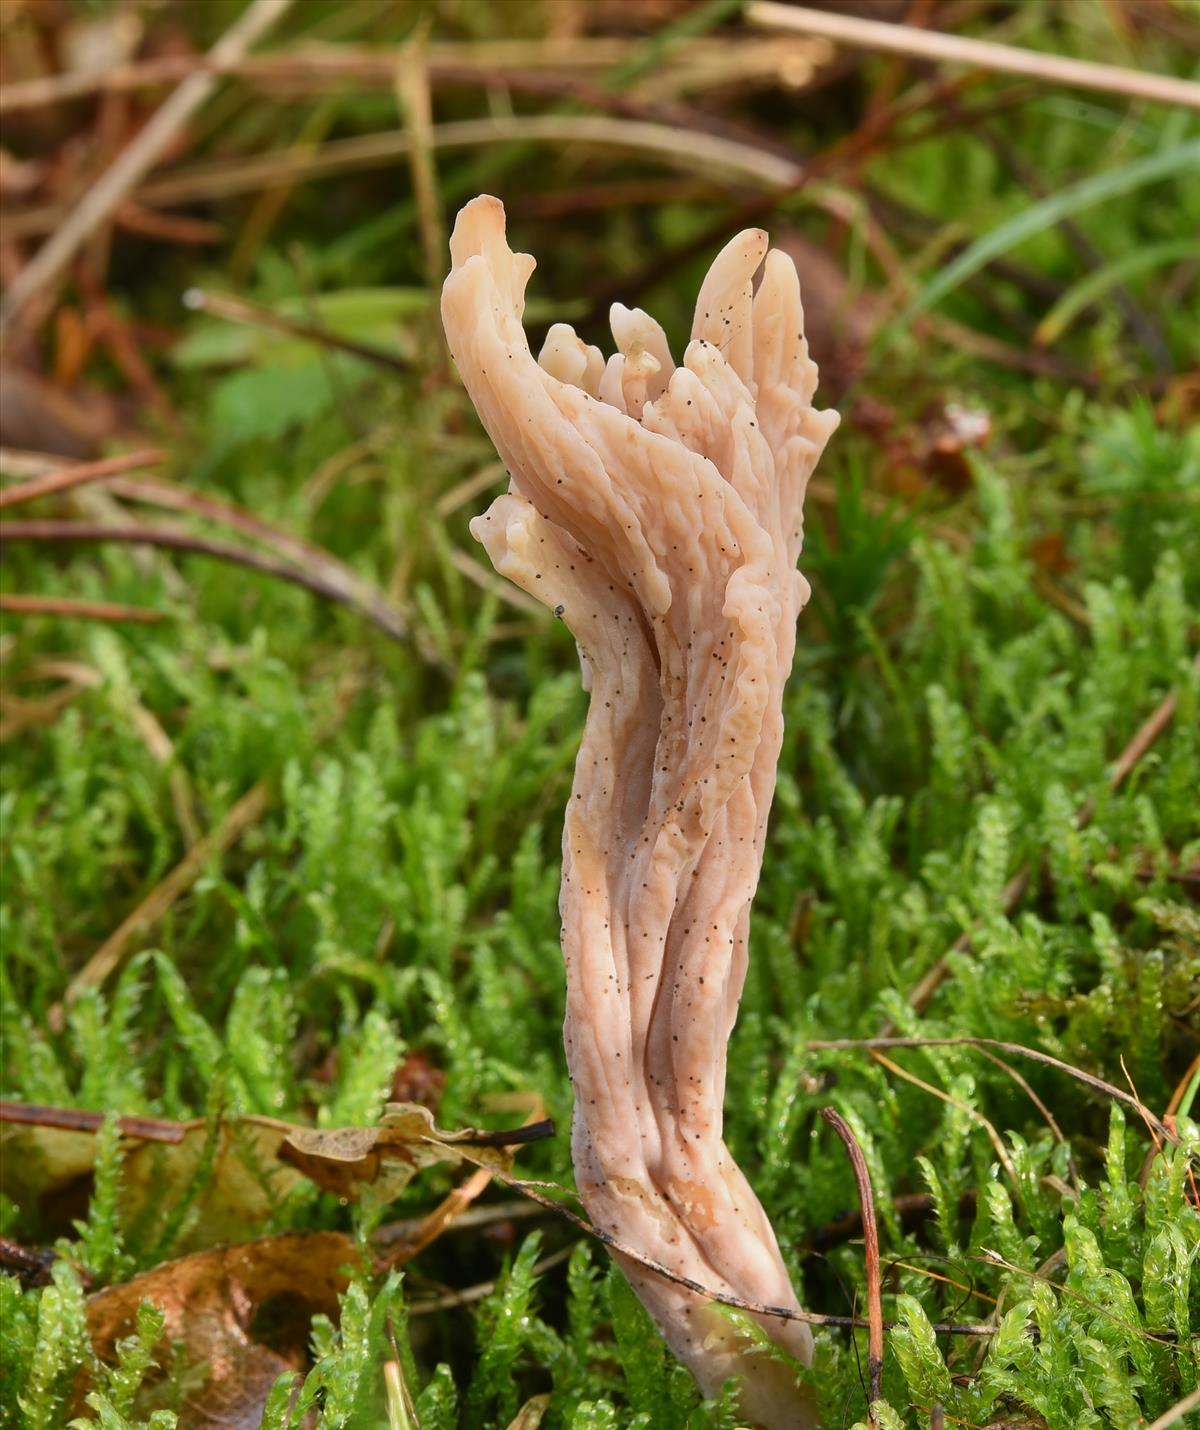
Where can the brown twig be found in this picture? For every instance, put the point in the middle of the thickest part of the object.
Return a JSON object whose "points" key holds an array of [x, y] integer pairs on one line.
{"points": [[698, 63], [62, 480], [973, 1113], [381, 611], [942, 48], [1013, 892], [535, 1192], [305, 555], [77, 1119], [134, 161], [77, 610], [870, 1228], [166, 228]]}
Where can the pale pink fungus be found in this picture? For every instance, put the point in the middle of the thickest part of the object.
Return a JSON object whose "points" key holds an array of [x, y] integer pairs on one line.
{"points": [[659, 509]]}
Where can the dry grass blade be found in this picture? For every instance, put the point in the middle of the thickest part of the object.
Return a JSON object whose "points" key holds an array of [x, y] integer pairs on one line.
{"points": [[377, 607], [697, 64], [18, 715], [469, 1220], [688, 150], [454, 1300], [123, 940], [65, 478], [1178, 1413], [534, 1191], [503, 590], [440, 1219], [1051, 1121], [943, 48], [870, 1228], [306, 556], [412, 91], [993, 1136], [469, 488], [1183, 1087], [993, 1258], [71, 608], [135, 161]]}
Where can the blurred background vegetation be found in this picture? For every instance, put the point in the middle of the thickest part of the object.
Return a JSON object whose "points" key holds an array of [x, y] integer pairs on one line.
{"points": [[284, 764]]}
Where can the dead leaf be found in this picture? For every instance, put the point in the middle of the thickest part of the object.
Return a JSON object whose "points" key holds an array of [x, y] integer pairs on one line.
{"points": [[48, 1163], [47, 1155], [386, 1157], [220, 1308]]}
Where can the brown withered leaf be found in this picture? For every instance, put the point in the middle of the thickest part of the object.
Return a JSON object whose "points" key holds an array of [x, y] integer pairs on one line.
{"points": [[386, 1157], [219, 1309], [47, 1155]]}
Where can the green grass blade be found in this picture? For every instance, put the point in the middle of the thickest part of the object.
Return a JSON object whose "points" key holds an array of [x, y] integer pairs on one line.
{"points": [[1074, 199], [1100, 280]]}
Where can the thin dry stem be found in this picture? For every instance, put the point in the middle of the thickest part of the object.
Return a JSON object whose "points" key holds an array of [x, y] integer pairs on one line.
{"points": [[866, 1198], [217, 179], [63, 479], [76, 609], [942, 48], [122, 942], [326, 582], [135, 161]]}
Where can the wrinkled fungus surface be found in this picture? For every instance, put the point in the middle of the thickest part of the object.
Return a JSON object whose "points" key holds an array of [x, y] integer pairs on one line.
{"points": [[658, 510]]}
